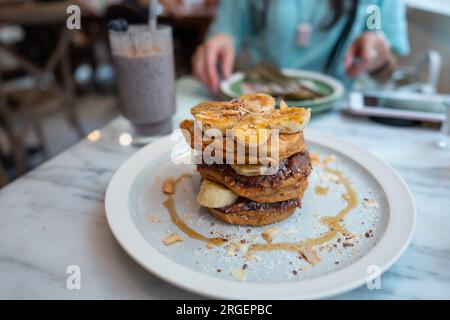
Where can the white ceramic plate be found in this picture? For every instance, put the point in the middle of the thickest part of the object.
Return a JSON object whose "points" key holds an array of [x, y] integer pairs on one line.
{"points": [[134, 194]]}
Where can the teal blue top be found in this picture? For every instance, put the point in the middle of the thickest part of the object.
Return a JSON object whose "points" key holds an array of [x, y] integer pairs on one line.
{"points": [[277, 43]]}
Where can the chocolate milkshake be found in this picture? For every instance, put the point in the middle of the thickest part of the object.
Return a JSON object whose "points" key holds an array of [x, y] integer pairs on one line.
{"points": [[146, 78]]}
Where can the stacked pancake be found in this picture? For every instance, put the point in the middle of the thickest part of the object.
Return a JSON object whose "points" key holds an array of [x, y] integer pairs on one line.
{"points": [[261, 166]]}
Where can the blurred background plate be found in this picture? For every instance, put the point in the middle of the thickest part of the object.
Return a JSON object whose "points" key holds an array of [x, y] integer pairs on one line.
{"points": [[333, 88]]}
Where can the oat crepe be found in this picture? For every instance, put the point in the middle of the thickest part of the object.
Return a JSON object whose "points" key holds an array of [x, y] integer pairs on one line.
{"points": [[287, 183], [289, 144], [251, 213], [249, 193]]}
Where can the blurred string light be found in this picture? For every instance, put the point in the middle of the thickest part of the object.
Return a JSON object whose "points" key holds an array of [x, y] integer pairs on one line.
{"points": [[83, 74], [125, 139], [94, 135], [11, 34]]}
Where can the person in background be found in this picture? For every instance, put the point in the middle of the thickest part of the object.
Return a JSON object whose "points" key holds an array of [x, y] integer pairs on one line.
{"points": [[340, 37]]}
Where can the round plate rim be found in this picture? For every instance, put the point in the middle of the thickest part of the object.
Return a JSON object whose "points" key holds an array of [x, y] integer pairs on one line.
{"points": [[395, 240]]}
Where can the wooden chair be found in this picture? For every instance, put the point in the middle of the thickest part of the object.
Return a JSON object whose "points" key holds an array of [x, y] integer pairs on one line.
{"points": [[27, 112]]}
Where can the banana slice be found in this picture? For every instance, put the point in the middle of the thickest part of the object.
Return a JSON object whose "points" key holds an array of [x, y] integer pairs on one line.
{"points": [[217, 119], [254, 169], [212, 106], [266, 102], [283, 105], [214, 195], [253, 131], [290, 120]]}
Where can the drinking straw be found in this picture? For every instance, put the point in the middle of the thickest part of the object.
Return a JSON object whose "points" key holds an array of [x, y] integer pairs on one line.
{"points": [[152, 13]]}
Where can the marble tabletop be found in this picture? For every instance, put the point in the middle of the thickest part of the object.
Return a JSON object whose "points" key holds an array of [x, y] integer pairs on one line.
{"points": [[54, 216]]}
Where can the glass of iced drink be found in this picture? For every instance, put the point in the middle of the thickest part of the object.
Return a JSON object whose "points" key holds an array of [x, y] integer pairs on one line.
{"points": [[144, 64]]}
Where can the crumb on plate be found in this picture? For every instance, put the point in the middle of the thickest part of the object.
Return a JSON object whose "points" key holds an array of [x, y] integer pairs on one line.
{"points": [[310, 256], [329, 159], [168, 186], [173, 238], [239, 274], [370, 203], [270, 234]]}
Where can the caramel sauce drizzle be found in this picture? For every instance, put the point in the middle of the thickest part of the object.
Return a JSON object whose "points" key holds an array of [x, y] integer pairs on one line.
{"points": [[321, 190], [332, 222], [169, 204]]}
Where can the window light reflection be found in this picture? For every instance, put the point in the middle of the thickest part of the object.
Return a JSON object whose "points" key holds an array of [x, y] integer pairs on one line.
{"points": [[94, 135], [125, 139]]}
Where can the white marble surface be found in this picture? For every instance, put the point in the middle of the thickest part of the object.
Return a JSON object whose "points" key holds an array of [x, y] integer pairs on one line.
{"points": [[54, 217]]}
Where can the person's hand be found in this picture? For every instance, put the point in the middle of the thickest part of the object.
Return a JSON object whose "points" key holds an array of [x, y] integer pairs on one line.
{"points": [[219, 48], [368, 53]]}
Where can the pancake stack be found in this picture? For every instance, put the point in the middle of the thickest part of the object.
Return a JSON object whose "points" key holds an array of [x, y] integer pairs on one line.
{"points": [[261, 166]]}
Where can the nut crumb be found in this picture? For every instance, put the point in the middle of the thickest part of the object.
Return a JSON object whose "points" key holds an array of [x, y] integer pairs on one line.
{"points": [[370, 203], [314, 157], [239, 274], [270, 234], [244, 248], [329, 159], [347, 244], [171, 239], [169, 186], [310, 256], [321, 190], [329, 177], [151, 219], [233, 249]]}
